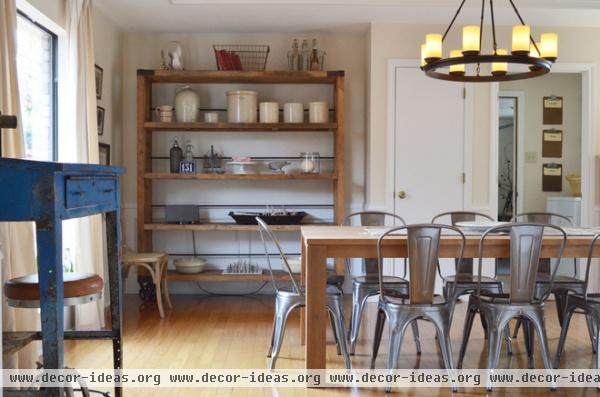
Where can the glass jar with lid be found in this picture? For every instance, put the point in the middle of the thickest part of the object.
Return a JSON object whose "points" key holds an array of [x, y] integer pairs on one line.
{"points": [[310, 162]]}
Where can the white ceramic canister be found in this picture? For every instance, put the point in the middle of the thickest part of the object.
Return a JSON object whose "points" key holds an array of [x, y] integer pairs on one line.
{"points": [[211, 117], [269, 112], [318, 112], [187, 103], [293, 112], [241, 106]]}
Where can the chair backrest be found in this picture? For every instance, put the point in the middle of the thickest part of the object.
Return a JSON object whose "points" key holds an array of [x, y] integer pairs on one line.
{"points": [[423, 241], [466, 266], [373, 218], [525, 248], [266, 235], [548, 218], [589, 263]]}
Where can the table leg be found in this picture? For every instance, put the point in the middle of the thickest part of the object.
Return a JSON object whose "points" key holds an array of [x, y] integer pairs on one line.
{"points": [[49, 246], [316, 316], [113, 242]]}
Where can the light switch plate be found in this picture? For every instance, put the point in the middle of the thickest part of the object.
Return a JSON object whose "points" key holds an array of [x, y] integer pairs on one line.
{"points": [[531, 157]]}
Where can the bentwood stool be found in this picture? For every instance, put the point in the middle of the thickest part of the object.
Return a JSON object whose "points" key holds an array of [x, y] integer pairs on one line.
{"points": [[563, 284], [290, 298], [367, 284], [421, 303], [585, 303], [156, 265], [521, 302]]}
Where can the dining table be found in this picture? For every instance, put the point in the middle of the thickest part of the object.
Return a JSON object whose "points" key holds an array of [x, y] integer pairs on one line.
{"points": [[318, 243]]}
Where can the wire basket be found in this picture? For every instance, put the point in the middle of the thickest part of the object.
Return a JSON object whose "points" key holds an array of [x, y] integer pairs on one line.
{"points": [[241, 57]]}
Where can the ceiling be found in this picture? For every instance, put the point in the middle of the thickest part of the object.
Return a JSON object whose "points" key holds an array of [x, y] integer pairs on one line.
{"points": [[258, 16]]}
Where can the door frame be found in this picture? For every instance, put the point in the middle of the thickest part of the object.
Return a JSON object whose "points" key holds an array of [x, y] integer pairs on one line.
{"points": [[391, 133], [588, 139], [520, 136]]}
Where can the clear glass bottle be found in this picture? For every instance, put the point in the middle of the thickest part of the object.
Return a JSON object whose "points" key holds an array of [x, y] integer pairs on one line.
{"points": [[305, 56], [175, 156], [294, 57], [188, 165], [310, 163], [315, 64]]}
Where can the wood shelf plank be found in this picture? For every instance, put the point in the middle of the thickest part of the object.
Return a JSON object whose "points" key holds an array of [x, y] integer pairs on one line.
{"points": [[224, 227], [242, 177], [216, 276], [221, 77], [240, 127]]}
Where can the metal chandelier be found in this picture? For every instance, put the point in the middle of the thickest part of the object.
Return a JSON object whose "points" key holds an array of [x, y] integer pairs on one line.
{"points": [[537, 56]]}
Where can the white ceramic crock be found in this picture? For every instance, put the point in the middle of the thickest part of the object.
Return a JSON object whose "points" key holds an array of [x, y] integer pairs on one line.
{"points": [[187, 103], [318, 112], [241, 106], [293, 112], [269, 112]]}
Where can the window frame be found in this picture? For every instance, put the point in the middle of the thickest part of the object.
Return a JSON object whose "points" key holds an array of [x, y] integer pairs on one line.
{"points": [[53, 77]]}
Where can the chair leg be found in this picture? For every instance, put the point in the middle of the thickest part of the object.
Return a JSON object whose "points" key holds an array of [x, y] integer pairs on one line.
{"points": [[379, 324], [494, 347], [359, 298], [396, 336], [272, 335], [335, 335], [442, 327], [283, 312], [157, 284], [560, 296], [339, 329], [529, 341], [592, 333], [416, 337], [165, 286], [471, 312], [563, 337], [537, 321], [508, 339]]}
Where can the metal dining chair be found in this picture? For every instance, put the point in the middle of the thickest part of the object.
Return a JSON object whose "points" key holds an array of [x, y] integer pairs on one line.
{"points": [[288, 299], [522, 301], [562, 284], [420, 303], [367, 284], [585, 303]]}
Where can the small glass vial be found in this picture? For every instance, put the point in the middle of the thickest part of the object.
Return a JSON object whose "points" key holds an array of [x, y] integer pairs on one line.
{"points": [[311, 162]]}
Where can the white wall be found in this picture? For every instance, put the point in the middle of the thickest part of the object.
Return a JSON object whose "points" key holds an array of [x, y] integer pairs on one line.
{"points": [[388, 41], [568, 86]]}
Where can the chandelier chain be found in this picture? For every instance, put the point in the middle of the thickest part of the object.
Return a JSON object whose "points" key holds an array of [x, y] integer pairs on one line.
{"points": [[493, 27], [453, 20], [481, 23]]}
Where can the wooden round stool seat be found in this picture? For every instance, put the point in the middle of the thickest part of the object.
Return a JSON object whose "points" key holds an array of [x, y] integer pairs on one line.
{"points": [[78, 288]]}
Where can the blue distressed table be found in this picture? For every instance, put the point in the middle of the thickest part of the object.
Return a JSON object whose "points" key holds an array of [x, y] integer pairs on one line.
{"points": [[47, 194]]}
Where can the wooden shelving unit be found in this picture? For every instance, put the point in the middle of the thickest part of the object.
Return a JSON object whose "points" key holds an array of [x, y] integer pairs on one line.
{"points": [[146, 129]]}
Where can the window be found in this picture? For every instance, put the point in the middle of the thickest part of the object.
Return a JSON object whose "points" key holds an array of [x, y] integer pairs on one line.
{"points": [[36, 68]]}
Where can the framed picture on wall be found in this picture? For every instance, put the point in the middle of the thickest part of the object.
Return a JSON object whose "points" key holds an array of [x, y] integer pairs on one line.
{"points": [[104, 153], [99, 75], [100, 116]]}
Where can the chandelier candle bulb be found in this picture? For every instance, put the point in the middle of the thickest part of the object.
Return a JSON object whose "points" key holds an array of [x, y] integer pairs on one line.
{"points": [[521, 38], [423, 62], [457, 69], [471, 44], [549, 46], [500, 68], [433, 47]]}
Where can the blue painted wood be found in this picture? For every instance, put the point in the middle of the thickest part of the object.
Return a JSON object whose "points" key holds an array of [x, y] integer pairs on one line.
{"points": [[48, 193]]}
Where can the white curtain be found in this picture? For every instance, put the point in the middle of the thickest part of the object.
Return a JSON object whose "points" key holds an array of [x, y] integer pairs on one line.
{"points": [[17, 244], [85, 233]]}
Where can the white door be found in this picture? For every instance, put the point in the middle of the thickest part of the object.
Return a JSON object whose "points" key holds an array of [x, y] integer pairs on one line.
{"points": [[429, 145]]}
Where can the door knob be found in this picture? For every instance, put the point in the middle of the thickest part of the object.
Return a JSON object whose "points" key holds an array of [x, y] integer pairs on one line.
{"points": [[402, 194]]}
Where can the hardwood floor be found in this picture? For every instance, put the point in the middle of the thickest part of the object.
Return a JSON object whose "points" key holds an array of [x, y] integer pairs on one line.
{"points": [[234, 332]]}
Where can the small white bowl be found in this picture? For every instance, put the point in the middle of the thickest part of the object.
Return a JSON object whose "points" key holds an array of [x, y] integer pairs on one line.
{"points": [[189, 265], [242, 167]]}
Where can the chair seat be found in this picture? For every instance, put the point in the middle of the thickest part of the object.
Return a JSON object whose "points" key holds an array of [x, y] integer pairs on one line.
{"points": [[75, 285], [375, 280], [396, 298], [143, 257], [558, 279], [330, 291], [471, 279]]}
